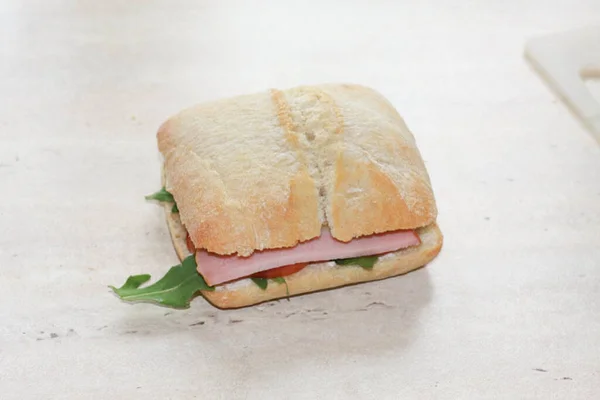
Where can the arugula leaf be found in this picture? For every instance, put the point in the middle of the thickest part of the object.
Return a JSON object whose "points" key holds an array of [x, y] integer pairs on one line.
{"points": [[135, 281], [264, 283], [364, 262], [261, 282], [281, 280], [161, 195], [164, 196], [176, 289]]}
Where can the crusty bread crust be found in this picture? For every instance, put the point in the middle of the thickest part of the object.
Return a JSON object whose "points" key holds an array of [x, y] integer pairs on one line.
{"points": [[314, 277], [267, 170]]}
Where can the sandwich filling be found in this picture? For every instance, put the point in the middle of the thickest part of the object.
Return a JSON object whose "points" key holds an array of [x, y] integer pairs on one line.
{"points": [[217, 269], [206, 272]]}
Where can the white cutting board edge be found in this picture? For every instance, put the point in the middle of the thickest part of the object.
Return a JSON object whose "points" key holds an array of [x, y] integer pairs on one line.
{"points": [[565, 60]]}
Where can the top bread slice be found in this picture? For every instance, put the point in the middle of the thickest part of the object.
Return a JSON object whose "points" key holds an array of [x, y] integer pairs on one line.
{"points": [[268, 170]]}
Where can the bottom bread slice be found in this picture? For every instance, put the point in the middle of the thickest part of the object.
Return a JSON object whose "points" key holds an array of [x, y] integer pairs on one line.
{"points": [[314, 277]]}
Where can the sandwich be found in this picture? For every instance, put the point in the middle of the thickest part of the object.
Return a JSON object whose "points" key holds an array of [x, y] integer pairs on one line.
{"points": [[287, 192]]}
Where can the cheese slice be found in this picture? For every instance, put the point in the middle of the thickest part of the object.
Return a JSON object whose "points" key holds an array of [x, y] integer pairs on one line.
{"points": [[218, 269]]}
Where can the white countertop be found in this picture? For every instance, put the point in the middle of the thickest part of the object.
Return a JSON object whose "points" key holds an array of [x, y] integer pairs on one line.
{"points": [[509, 310]]}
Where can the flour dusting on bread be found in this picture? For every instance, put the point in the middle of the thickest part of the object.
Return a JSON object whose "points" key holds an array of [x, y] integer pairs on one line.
{"points": [[268, 170]]}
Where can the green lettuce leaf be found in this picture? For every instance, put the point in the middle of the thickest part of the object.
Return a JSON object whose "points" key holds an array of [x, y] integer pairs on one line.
{"points": [[264, 283], [176, 289], [281, 280], [261, 282], [161, 195], [365, 262], [135, 281]]}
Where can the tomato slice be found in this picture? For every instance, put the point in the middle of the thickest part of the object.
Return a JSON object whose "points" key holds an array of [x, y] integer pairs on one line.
{"points": [[280, 271], [190, 244]]}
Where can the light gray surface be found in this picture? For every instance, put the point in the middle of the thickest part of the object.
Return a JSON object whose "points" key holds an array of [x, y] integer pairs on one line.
{"points": [[509, 310], [565, 59]]}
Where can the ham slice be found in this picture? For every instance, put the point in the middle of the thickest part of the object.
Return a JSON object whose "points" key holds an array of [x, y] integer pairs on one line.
{"points": [[219, 269]]}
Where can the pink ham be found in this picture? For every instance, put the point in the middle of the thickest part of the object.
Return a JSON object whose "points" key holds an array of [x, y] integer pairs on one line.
{"points": [[219, 269]]}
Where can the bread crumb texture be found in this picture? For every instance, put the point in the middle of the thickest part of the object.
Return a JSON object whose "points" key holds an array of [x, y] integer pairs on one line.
{"points": [[268, 170]]}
